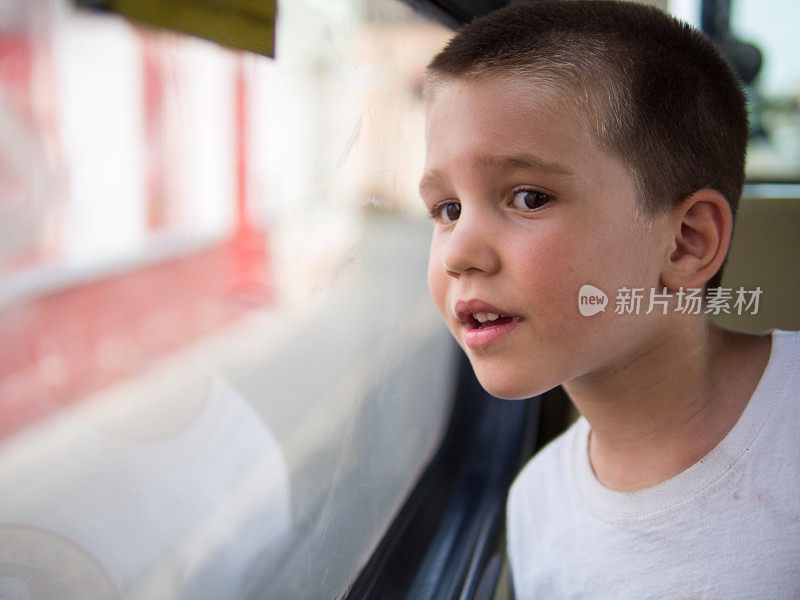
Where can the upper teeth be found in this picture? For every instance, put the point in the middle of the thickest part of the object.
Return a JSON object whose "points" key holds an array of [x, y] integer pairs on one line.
{"points": [[483, 317]]}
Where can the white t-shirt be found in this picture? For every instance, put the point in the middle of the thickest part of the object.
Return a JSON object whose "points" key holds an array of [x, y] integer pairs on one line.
{"points": [[726, 528]]}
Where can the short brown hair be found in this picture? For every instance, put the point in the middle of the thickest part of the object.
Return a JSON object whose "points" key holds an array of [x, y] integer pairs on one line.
{"points": [[660, 95]]}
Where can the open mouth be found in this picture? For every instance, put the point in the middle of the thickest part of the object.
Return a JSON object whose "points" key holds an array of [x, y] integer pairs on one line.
{"points": [[486, 320], [484, 325]]}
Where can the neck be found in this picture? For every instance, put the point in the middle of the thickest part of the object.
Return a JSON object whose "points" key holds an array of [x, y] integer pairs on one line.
{"points": [[661, 412]]}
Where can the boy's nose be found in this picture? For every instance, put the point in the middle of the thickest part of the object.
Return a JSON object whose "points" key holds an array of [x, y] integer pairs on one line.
{"points": [[470, 248]]}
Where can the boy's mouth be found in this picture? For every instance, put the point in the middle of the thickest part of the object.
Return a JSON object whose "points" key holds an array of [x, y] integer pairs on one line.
{"points": [[477, 314], [482, 320], [485, 325]]}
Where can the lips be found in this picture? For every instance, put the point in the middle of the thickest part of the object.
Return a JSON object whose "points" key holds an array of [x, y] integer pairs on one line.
{"points": [[485, 325], [477, 314]]}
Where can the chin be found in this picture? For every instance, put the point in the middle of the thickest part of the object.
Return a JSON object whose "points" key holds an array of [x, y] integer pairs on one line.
{"points": [[508, 387]]}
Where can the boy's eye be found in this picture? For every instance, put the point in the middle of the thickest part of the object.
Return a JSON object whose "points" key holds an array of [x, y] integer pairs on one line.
{"points": [[446, 211], [529, 199]]}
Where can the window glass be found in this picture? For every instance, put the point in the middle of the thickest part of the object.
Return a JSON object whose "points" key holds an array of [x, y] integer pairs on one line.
{"points": [[760, 38], [220, 370], [770, 25], [764, 42]]}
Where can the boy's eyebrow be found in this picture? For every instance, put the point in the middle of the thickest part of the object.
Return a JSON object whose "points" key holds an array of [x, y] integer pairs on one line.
{"points": [[523, 160], [436, 177], [433, 179]]}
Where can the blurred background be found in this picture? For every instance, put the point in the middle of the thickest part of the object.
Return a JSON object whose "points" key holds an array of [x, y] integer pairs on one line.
{"points": [[215, 336], [220, 371]]}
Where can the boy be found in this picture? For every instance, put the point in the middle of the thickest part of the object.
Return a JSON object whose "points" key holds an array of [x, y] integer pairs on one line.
{"points": [[574, 144]]}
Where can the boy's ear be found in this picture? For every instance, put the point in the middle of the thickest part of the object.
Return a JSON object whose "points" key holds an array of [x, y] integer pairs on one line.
{"points": [[701, 225]]}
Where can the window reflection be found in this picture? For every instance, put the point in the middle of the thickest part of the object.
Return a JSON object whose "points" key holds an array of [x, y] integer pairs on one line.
{"points": [[130, 500], [220, 372]]}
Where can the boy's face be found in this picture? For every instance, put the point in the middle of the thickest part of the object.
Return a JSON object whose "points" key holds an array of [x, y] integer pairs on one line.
{"points": [[528, 209]]}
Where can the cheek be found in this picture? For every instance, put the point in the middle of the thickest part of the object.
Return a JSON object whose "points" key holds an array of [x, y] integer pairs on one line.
{"points": [[552, 269], [437, 280], [547, 268], [625, 254], [605, 258]]}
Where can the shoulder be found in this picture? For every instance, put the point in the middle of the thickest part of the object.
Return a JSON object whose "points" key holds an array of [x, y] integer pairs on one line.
{"points": [[779, 392], [786, 349], [781, 378]]}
